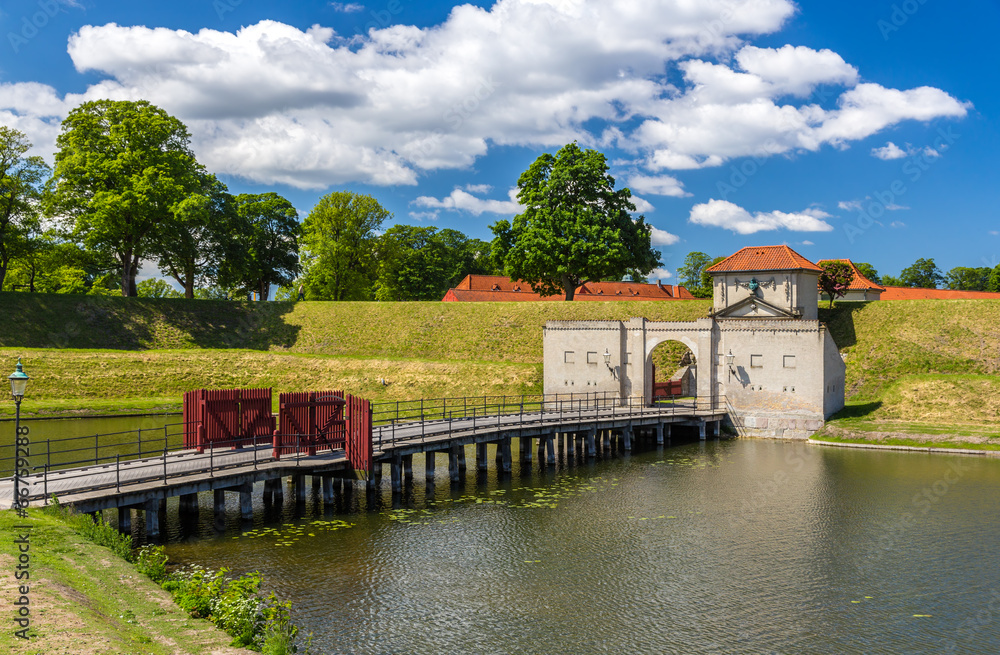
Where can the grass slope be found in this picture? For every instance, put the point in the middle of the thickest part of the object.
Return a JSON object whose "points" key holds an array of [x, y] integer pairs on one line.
{"points": [[85, 600]]}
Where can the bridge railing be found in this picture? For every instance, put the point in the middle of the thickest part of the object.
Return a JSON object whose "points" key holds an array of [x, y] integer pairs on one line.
{"points": [[419, 420]]}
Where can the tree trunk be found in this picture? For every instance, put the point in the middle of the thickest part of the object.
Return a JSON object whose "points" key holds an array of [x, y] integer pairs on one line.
{"points": [[189, 286], [133, 271], [569, 287], [265, 291], [126, 260]]}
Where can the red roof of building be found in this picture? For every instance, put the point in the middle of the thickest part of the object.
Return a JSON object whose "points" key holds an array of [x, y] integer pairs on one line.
{"points": [[496, 288], [910, 293], [764, 258], [860, 282]]}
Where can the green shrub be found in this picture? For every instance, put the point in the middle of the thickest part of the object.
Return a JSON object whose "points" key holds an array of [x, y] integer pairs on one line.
{"points": [[196, 589], [98, 531], [237, 610], [152, 561]]}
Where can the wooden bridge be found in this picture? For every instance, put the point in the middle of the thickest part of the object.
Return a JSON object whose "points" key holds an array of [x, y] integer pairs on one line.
{"points": [[223, 452]]}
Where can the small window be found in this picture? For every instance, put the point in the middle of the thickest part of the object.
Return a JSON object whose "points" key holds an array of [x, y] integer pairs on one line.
{"points": [[591, 358], [756, 361], [568, 357], [789, 361]]}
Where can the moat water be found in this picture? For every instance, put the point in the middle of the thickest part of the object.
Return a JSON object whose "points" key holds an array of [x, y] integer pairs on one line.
{"points": [[721, 547]]}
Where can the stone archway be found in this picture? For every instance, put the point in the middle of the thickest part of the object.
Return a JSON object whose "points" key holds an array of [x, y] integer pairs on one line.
{"points": [[673, 369]]}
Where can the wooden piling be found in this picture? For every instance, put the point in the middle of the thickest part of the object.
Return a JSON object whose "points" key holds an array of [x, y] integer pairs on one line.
{"points": [[429, 465], [481, 456], [246, 501], [152, 508], [505, 459], [592, 443], [408, 468], [396, 472], [125, 520]]}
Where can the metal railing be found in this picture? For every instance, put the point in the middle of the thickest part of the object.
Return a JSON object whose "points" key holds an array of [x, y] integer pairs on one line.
{"points": [[418, 421]]}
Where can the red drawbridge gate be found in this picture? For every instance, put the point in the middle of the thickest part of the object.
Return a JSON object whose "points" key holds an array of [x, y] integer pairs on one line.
{"points": [[308, 422]]}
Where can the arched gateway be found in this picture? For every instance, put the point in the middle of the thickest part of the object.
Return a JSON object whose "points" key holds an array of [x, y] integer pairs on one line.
{"points": [[761, 347]]}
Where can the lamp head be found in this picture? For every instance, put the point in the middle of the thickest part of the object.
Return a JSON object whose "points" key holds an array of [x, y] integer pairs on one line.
{"points": [[18, 382], [729, 358]]}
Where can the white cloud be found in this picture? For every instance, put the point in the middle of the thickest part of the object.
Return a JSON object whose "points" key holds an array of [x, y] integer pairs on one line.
{"points": [[347, 8], [658, 185], [660, 237], [897, 224], [272, 103], [849, 205], [642, 206], [659, 274], [995, 233], [461, 200], [479, 188], [893, 207], [806, 243], [889, 151], [420, 217], [724, 214]]}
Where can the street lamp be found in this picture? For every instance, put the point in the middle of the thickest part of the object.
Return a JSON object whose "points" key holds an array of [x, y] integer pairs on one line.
{"points": [[729, 360], [18, 385]]}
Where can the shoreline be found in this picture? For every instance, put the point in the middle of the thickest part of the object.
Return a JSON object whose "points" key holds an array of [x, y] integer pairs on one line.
{"points": [[924, 449]]}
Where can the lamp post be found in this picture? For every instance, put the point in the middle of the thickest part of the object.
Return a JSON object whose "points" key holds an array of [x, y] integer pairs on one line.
{"points": [[18, 385], [729, 360]]}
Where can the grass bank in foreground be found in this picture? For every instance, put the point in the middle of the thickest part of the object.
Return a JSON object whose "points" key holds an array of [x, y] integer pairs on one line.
{"points": [[86, 600]]}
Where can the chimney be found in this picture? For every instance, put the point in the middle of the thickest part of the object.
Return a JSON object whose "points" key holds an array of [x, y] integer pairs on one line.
{"points": [[665, 289]]}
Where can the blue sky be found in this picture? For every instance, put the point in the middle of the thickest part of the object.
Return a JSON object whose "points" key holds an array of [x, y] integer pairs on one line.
{"points": [[854, 129]]}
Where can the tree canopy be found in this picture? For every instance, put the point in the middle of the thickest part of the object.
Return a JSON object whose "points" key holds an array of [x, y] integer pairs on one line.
{"points": [[422, 263], [923, 274], [21, 180], [339, 239], [122, 169], [690, 274], [575, 227], [963, 278], [265, 250], [868, 271]]}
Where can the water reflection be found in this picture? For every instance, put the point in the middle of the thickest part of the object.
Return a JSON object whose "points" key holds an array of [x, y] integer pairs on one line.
{"points": [[744, 546]]}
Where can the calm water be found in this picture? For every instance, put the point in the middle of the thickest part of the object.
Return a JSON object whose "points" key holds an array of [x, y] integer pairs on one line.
{"points": [[727, 547]]}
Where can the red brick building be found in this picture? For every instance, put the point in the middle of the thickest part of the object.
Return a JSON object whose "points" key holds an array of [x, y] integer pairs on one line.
{"points": [[496, 288]]}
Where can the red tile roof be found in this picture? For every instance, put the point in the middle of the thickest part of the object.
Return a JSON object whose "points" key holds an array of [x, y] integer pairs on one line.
{"points": [[910, 293], [496, 288], [860, 282], [764, 258]]}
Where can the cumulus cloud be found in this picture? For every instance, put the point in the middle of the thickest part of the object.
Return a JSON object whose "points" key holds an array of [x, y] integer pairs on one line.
{"points": [[729, 216], [660, 237], [659, 274], [462, 200], [889, 151], [347, 8], [672, 82], [642, 206], [658, 185]]}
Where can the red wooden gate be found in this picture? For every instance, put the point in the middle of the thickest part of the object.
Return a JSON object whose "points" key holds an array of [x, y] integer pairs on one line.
{"points": [[227, 417], [310, 421]]}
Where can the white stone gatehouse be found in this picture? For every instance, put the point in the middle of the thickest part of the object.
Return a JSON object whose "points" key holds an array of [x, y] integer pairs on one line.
{"points": [[786, 375]]}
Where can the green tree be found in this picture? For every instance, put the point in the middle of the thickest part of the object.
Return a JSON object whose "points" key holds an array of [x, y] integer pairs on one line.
{"points": [[962, 278], [266, 250], [154, 287], [892, 281], [414, 264], [21, 181], [993, 281], [835, 279], [868, 271], [690, 274], [191, 247], [923, 274], [575, 227], [706, 278], [121, 169], [338, 246]]}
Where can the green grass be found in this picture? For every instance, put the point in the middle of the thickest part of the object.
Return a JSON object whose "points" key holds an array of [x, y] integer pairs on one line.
{"points": [[86, 600]]}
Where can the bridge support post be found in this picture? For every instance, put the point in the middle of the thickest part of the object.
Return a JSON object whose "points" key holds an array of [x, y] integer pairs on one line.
{"points": [[187, 504], [659, 434], [279, 492], [246, 501], [499, 454], [219, 508], [153, 519], [627, 435], [315, 483], [717, 429], [327, 491], [429, 465], [550, 449], [481, 456], [461, 459], [524, 445], [300, 489], [376, 478], [607, 443], [701, 430], [453, 469], [268, 495], [125, 520], [505, 463], [592, 443], [571, 445], [396, 472], [408, 468]]}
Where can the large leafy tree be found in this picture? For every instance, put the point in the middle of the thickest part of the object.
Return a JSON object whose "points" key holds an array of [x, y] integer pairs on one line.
{"points": [[690, 274], [191, 247], [993, 281], [21, 181], [415, 263], [339, 240], [266, 250], [575, 227], [963, 278], [121, 170], [835, 278], [923, 274]]}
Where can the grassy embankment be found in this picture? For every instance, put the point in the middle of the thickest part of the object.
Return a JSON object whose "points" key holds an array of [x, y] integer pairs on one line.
{"points": [[916, 370], [111, 355], [86, 600]]}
